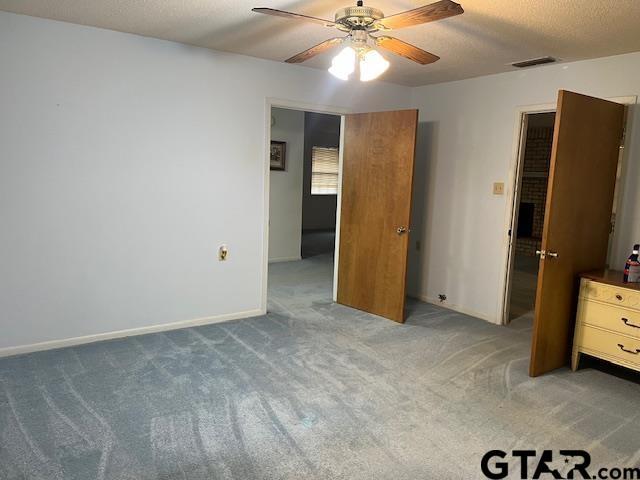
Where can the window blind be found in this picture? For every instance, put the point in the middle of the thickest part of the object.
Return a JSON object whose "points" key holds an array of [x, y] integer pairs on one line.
{"points": [[324, 171]]}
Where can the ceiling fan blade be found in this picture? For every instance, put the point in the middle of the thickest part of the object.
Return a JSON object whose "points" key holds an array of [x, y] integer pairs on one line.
{"points": [[295, 16], [406, 50], [313, 51], [417, 16]]}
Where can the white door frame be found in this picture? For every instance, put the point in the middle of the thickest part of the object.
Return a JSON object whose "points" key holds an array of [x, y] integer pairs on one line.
{"points": [[305, 107], [515, 177], [513, 197]]}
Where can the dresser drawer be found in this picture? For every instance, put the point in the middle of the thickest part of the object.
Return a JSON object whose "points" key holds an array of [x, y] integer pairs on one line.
{"points": [[619, 346], [610, 317], [612, 294]]}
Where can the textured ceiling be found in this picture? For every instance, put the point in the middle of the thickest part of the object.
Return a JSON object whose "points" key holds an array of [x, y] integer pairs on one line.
{"points": [[485, 39]]}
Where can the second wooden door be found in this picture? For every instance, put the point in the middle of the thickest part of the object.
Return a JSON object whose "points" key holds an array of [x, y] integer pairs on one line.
{"points": [[582, 178]]}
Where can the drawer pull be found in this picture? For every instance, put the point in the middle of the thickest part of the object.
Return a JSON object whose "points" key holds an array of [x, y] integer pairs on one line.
{"points": [[637, 351], [619, 297], [628, 323]]}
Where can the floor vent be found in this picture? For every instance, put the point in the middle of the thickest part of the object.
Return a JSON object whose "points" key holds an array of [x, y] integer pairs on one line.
{"points": [[533, 62]]}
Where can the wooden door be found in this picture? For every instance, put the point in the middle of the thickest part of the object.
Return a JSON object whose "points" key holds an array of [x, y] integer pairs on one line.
{"points": [[582, 176], [377, 176]]}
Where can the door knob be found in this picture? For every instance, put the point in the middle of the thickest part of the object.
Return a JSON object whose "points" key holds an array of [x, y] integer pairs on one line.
{"points": [[401, 230], [544, 254]]}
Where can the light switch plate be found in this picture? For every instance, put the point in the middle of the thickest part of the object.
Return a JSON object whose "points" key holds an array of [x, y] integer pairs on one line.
{"points": [[498, 188]]}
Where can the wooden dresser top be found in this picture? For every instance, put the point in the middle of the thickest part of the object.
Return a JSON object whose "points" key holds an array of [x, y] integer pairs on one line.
{"points": [[610, 277]]}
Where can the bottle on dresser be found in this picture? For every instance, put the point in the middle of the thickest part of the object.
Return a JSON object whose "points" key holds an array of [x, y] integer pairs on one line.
{"points": [[632, 267]]}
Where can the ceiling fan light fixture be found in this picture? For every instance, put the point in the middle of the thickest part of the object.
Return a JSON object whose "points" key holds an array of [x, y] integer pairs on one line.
{"points": [[343, 64], [360, 23], [372, 65]]}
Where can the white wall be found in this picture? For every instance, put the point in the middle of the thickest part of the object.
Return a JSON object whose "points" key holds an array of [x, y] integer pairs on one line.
{"points": [[466, 141], [124, 163], [285, 192]]}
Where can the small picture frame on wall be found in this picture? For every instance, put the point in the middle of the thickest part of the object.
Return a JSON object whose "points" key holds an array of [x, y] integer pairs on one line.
{"points": [[278, 155]]}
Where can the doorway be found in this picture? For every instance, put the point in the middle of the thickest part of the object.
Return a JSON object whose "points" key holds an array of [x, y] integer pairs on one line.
{"points": [[530, 185], [304, 170], [375, 158], [580, 203], [529, 208]]}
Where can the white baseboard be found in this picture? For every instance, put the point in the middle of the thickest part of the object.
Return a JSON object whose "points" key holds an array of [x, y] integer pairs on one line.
{"points": [[455, 308], [285, 259], [70, 342]]}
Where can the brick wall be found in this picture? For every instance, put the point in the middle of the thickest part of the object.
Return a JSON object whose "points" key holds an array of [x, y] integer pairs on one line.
{"points": [[537, 155]]}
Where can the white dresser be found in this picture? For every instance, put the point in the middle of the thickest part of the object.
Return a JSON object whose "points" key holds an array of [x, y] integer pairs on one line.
{"points": [[608, 320]]}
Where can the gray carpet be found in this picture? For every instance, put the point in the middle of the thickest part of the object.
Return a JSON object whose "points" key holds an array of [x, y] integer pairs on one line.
{"points": [[312, 390]]}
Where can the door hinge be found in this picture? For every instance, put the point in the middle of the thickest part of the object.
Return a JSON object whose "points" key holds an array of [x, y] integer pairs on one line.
{"points": [[623, 138]]}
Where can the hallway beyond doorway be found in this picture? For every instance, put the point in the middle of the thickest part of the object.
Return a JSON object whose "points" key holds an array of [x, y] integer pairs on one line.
{"points": [[316, 242], [523, 287]]}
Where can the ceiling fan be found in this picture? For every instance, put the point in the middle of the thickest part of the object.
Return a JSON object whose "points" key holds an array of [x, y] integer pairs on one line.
{"points": [[359, 23]]}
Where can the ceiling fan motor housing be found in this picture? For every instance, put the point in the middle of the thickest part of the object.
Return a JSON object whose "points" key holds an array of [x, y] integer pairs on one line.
{"points": [[357, 18]]}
